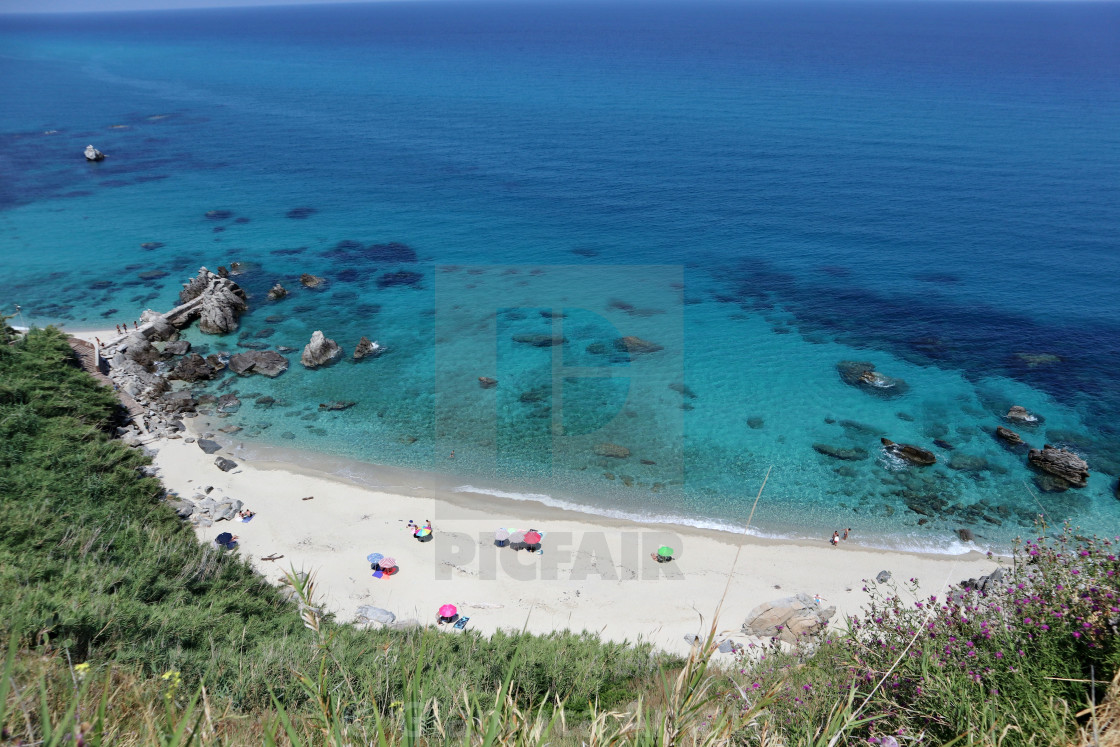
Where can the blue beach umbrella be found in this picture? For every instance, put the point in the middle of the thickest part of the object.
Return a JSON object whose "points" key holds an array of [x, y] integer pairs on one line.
{"points": [[374, 557]]}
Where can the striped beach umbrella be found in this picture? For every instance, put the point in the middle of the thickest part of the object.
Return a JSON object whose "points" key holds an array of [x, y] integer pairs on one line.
{"points": [[423, 532], [388, 563], [448, 610]]}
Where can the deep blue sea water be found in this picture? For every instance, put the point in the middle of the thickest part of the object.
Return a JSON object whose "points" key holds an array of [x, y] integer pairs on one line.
{"points": [[763, 189]]}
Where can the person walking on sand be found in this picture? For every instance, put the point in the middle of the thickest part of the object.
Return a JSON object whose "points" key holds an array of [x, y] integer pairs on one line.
{"points": [[835, 539]]}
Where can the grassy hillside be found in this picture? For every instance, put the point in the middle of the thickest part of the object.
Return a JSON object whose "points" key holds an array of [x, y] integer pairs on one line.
{"points": [[122, 629]]}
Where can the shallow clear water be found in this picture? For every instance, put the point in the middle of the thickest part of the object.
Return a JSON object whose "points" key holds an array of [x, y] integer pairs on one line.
{"points": [[763, 190]]}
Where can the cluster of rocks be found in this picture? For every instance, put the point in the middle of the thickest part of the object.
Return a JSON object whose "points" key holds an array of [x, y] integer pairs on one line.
{"points": [[862, 375], [206, 507]]}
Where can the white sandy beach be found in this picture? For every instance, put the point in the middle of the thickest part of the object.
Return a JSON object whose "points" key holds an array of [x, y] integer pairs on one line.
{"points": [[594, 574]]}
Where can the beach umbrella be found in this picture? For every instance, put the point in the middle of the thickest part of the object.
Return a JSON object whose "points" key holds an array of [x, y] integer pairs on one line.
{"points": [[501, 534], [424, 532], [532, 538], [448, 610], [374, 557], [517, 538], [665, 552], [224, 538], [388, 563]]}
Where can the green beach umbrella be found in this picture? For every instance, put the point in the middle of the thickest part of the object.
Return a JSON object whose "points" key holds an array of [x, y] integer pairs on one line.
{"points": [[665, 552]]}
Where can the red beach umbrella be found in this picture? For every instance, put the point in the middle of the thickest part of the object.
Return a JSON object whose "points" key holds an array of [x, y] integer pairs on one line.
{"points": [[388, 563], [448, 610], [532, 538]]}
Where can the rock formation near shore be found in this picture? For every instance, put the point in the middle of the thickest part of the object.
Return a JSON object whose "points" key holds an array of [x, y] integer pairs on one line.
{"points": [[93, 154], [1060, 463], [221, 302], [320, 351], [1022, 415], [277, 292], [788, 619], [266, 362], [307, 280], [913, 454]]}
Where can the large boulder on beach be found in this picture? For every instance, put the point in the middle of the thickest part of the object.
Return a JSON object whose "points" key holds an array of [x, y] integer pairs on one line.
{"points": [[225, 465], [320, 351], [1060, 463], [266, 362], [913, 454], [789, 619], [208, 446], [367, 348], [368, 614], [862, 375]]}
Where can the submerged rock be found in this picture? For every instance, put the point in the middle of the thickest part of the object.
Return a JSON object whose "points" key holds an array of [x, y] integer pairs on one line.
{"points": [[1008, 435], [853, 454], [636, 345], [266, 362], [967, 463], [913, 454], [539, 341], [486, 382], [229, 403], [1060, 463], [612, 450], [338, 405], [319, 351]]}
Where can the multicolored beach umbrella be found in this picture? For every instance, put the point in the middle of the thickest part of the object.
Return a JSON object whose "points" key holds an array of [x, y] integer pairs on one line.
{"points": [[423, 532], [665, 552], [374, 557], [532, 538], [448, 610], [388, 563]]}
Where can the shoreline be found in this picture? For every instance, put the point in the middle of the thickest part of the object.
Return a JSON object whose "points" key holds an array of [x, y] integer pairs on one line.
{"points": [[455, 489], [595, 573]]}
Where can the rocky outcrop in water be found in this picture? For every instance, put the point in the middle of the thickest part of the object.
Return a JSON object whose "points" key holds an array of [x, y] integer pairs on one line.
{"points": [[307, 280], [93, 154], [1060, 463], [367, 349], [1008, 436], [221, 302], [266, 362], [789, 619], [486, 382], [344, 404], [913, 454], [320, 351], [276, 292], [862, 375], [193, 368], [1022, 416]]}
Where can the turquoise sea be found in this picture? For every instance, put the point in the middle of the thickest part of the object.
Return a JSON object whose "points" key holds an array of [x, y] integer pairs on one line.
{"points": [[762, 189]]}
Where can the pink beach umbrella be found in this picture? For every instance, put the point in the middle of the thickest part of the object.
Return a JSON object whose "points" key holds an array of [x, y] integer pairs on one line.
{"points": [[448, 610], [388, 563], [532, 538]]}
